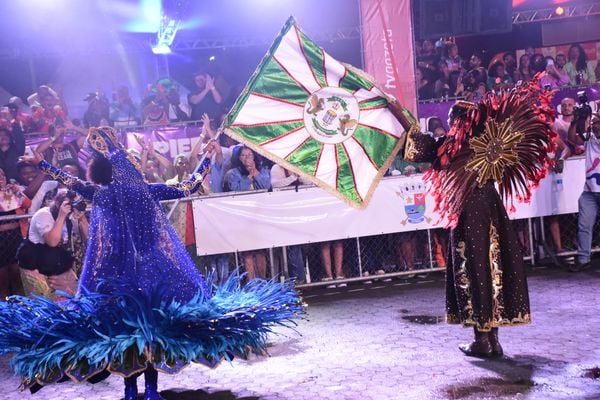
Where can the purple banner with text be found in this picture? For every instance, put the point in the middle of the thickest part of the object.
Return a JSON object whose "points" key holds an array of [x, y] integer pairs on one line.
{"points": [[168, 141]]}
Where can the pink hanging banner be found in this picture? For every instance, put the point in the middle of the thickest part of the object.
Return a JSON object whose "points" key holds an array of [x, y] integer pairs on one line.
{"points": [[387, 37]]}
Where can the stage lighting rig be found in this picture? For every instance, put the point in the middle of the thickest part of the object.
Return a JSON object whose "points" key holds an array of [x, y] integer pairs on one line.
{"points": [[559, 11], [172, 14], [165, 36]]}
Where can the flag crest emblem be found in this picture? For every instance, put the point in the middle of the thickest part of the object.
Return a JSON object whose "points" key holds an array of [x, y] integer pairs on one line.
{"points": [[331, 115]]}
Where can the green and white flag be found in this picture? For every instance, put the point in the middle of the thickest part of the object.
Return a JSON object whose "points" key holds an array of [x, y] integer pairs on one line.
{"points": [[317, 117]]}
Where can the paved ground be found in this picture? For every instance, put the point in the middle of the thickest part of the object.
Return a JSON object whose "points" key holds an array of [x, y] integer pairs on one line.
{"points": [[388, 341]]}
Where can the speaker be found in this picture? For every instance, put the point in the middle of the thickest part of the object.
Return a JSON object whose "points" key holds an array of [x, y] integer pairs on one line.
{"points": [[465, 21], [494, 16], [435, 18], [463, 17]]}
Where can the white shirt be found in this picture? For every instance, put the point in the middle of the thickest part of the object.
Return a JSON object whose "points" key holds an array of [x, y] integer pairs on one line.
{"points": [[42, 222], [279, 179], [36, 202], [562, 128], [592, 165]]}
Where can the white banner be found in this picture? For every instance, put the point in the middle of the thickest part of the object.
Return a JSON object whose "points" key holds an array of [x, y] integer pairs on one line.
{"points": [[557, 194], [250, 221]]}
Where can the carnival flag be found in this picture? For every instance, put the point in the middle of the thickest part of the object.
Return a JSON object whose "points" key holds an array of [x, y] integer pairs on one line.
{"points": [[317, 117]]}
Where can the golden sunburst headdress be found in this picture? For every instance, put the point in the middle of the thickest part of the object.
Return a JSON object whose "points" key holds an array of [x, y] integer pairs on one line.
{"points": [[494, 151], [506, 138]]}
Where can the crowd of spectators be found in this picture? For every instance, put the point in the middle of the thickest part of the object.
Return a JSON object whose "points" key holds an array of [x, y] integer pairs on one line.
{"points": [[46, 112], [443, 73], [57, 228]]}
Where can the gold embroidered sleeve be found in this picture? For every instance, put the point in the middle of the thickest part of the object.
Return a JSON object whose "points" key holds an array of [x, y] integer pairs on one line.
{"points": [[58, 175]]}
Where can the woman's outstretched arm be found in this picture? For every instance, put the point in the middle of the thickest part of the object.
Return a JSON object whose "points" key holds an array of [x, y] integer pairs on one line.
{"points": [[160, 191], [85, 189]]}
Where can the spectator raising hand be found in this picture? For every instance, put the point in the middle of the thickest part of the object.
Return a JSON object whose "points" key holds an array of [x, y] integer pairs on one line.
{"points": [[152, 161], [207, 129]]}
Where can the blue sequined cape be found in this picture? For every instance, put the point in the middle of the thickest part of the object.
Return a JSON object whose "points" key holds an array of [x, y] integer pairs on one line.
{"points": [[130, 238], [140, 299]]}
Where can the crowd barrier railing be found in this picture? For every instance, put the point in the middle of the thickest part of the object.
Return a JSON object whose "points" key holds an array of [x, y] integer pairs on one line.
{"points": [[229, 224]]}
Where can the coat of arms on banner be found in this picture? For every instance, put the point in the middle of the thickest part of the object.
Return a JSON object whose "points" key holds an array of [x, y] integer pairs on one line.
{"points": [[414, 192], [331, 115]]}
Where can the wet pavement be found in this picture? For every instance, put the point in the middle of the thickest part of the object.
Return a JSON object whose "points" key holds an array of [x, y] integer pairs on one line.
{"points": [[389, 341]]}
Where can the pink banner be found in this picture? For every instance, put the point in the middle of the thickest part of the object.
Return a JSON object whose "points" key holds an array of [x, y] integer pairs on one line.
{"points": [[387, 37]]}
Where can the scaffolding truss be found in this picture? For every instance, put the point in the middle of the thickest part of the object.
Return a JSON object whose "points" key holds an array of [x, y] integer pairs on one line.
{"points": [[136, 45], [545, 14], [319, 37], [326, 36]]}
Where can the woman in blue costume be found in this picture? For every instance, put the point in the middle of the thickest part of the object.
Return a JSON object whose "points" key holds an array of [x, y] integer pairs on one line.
{"points": [[141, 305]]}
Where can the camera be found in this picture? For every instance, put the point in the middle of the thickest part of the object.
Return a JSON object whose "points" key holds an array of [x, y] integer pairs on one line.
{"points": [[78, 205], [582, 111]]}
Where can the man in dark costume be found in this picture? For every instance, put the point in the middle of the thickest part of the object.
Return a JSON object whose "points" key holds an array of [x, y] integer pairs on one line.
{"points": [[502, 141]]}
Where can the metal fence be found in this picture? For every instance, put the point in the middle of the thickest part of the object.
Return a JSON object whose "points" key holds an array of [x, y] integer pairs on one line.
{"points": [[549, 240]]}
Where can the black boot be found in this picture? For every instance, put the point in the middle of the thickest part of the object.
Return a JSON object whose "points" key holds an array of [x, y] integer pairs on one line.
{"points": [[496, 347], [151, 377], [131, 391], [481, 347]]}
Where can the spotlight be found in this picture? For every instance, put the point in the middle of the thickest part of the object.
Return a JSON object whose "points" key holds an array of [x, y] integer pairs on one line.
{"points": [[166, 34], [161, 48], [559, 11], [211, 58]]}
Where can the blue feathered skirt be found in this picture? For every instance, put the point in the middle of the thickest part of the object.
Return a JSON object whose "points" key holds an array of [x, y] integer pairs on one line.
{"points": [[92, 334]]}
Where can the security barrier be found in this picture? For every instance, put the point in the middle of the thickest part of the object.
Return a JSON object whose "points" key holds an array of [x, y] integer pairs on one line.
{"points": [[401, 241]]}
